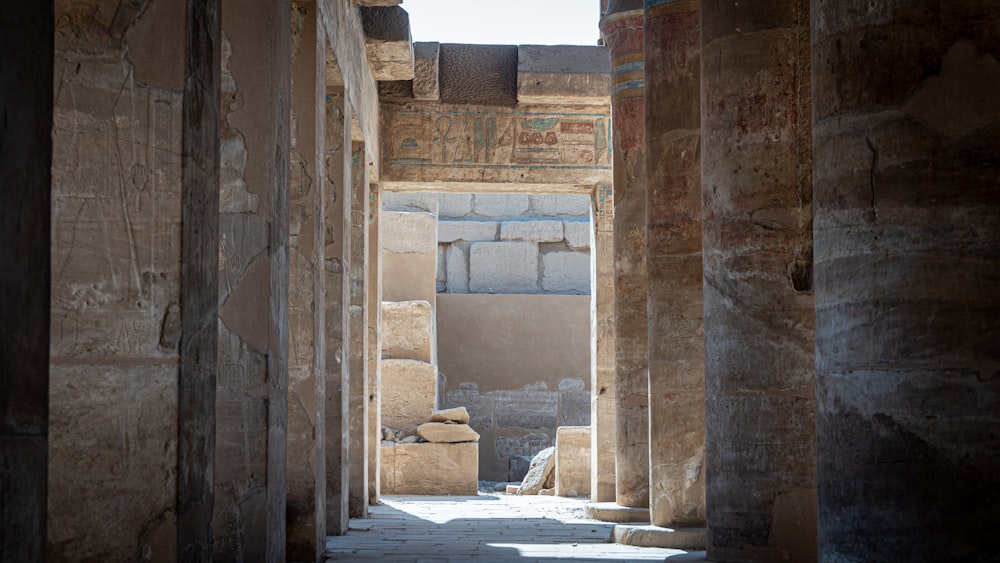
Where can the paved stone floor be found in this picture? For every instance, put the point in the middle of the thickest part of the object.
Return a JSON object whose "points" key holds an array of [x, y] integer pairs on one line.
{"points": [[489, 527]]}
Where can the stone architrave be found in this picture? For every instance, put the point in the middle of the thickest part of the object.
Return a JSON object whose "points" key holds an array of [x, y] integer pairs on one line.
{"points": [[757, 238], [673, 256], [622, 27], [907, 240]]}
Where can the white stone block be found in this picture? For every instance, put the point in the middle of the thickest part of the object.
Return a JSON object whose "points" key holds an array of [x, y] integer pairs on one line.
{"points": [[454, 205], [408, 232], [562, 204], [409, 201], [566, 272], [532, 231], [503, 267], [458, 268], [450, 231], [577, 234], [500, 205]]}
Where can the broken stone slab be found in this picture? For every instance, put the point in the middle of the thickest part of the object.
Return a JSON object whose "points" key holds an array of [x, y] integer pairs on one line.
{"points": [[540, 473], [444, 433], [457, 415], [391, 434]]}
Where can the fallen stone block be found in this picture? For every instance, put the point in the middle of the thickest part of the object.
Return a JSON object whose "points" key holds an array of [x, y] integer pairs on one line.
{"points": [[458, 415], [442, 432], [540, 474]]}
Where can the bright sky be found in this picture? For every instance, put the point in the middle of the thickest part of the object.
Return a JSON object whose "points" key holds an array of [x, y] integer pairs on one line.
{"points": [[505, 22]]}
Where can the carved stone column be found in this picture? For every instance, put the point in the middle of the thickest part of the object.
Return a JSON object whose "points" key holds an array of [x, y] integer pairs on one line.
{"points": [[757, 246], [622, 30], [907, 162], [673, 255]]}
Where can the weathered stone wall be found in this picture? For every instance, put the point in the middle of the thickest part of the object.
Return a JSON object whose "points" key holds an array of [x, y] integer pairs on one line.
{"points": [[520, 364], [116, 262]]}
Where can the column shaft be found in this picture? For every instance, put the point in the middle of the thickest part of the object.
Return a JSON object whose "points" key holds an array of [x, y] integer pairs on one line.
{"points": [[336, 242], [306, 460], [26, 54], [673, 251], [622, 30], [374, 345], [358, 289], [199, 334], [603, 409], [757, 240], [907, 161], [251, 421]]}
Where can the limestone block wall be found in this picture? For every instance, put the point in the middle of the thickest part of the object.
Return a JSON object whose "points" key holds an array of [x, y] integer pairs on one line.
{"points": [[520, 364], [507, 243]]}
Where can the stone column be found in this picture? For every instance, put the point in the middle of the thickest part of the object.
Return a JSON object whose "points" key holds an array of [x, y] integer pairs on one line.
{"points": [[199, 333], [602, 352], [673, 256], [907, 160], [338, 234], [306, 460], [127, 281], [251, 411], [622, 30], [358, 358], [26, 55], [374, 345], [757, 240]]}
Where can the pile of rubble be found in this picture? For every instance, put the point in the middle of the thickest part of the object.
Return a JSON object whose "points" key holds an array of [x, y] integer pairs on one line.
{"points": [[446, 426]]}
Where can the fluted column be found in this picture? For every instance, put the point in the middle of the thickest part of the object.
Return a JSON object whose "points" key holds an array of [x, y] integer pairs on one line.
{"points": [[907, 164], [757, 245], [673, 255], [622, 30]]}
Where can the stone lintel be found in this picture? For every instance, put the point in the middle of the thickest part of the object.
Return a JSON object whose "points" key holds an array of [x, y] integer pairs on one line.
{"points": [[545, 144], [563, 74], [388, 42]]}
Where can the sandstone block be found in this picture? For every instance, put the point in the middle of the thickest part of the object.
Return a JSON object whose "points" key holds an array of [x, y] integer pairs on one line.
{"points": [[408, 232], [533, 231], [430, 469], [566, 272], [457, 268], [577, 234], [503, 267], [408, 330], [561, 204], [457, 414], [454, 205], [556, 74], [409, 392], [573, 461], [410, 202], [442, 432], [500, 205], [540, 473], [451, 231], [425, 70]]}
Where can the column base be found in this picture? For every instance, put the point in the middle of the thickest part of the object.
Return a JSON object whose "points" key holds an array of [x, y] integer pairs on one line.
{"points": [[645, 535], [613, 512]]}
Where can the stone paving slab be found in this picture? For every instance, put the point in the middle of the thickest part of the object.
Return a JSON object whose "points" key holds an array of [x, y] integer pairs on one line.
{"points": [[488, 527]]}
